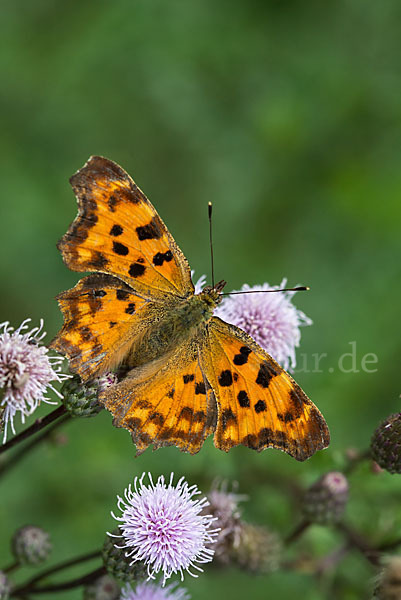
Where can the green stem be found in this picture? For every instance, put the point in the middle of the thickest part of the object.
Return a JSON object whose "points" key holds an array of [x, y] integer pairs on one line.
{"points": [[27, 587], [64, 585], [297, 532], [354, 462], [11, 567], [356, 540], [21, 452], [34, 428]]}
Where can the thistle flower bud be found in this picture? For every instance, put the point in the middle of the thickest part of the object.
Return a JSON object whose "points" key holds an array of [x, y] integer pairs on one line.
{"points": [[325, 501], [258, 549], [80, 399], [31, 545], [5, 587], [389, 581], [118, 565], [223, 506], [386, 444], [104, 588]]}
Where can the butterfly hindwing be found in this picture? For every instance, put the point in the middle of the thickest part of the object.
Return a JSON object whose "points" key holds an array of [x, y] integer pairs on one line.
{"points": [[102, 318], [259, 404], [168, 402], [118, 231]]}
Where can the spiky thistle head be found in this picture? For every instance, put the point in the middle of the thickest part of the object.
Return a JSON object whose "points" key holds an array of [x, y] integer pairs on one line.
{"points": [[163, 526], [26, 371]]}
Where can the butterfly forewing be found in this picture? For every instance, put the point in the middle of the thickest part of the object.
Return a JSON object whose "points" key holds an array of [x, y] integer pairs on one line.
{"points": [[259, 404], [118, 231], [102, 317]]}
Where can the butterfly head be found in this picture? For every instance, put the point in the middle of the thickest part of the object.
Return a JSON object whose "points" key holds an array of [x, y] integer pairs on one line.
{"points": [[212, 295]]}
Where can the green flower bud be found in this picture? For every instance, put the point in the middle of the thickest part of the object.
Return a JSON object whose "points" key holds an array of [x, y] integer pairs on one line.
{"points": [[117, 564], [258, 550], [325, 501], [5, 587], [386, 444], [104, 588], [80, 399], [31, 545]]}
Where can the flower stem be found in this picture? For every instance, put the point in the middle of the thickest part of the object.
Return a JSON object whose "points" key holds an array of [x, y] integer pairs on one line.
{"points": [[29, 586], [34, 428], [21, 452], [11, 567], [356, 540], [297, 532], [64, 585]]}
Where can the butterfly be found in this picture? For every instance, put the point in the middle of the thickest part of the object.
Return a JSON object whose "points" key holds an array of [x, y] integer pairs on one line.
{"points": [[188, 374]]}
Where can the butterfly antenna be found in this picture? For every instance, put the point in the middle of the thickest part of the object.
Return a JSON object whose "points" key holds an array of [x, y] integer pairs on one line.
{"points": [[209, 206], [302, 288]]}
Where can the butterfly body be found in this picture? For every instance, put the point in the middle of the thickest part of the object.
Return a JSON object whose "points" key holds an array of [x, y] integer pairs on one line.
{"points": [[189, 374], [183, 321]]}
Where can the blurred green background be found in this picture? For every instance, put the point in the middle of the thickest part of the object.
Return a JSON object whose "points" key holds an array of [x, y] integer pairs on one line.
{"points": [[288, 116]]}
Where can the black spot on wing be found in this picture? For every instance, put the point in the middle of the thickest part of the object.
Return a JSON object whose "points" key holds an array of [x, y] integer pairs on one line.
{"points": [[188, 378], [120, 249], [112, 202], [130, 308], [225, 378], [242, 357], [286, 417], [98, 293], [136, 270], [122, 295], [162, 257], [260, 406], [266, 374], [112, 323], [243, 399], [200, 388], [151, 231], [116, 230]]}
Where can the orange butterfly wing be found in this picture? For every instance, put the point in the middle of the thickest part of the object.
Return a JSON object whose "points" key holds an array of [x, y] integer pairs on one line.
{"points": [[259, 404], [118, 234], [101, 314], [165, 403], [118, 231]]}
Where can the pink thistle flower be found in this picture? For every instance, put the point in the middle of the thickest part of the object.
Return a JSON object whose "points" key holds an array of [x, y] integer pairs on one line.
{"points": [[163, 527], [26, 371], [152, 591], [271, 319]]}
